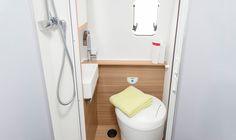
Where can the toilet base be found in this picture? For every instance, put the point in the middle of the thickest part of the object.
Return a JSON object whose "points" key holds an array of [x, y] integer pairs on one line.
{"points": [[138, 128], [128, 133]]}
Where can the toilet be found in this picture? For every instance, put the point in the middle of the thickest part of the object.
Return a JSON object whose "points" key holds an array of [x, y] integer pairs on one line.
{"points": [[148, 124]]}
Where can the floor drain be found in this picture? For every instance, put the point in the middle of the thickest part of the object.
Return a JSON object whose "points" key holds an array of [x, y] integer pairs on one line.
{"points": [[111, 133]]}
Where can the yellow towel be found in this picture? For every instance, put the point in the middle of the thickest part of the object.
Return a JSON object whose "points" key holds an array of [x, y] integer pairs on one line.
{"points": [[131, 101]]}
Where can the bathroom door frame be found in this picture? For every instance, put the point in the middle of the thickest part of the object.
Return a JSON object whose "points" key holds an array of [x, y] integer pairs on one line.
{"points": [[179, 39], [77, 58]]}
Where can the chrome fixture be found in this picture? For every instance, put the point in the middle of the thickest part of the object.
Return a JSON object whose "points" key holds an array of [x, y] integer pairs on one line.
{"points": [[87, 42]]}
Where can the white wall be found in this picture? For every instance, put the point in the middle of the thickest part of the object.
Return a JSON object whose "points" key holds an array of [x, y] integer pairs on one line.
{"points": [[110, 23], [206, 95], [23, 99], [82, 12]]}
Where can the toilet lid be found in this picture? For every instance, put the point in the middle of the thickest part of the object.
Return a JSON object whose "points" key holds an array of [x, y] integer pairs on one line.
{"points": [[150, 118]]}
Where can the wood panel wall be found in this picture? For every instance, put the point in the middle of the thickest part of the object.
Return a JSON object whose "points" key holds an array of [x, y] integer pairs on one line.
{"points": [[113, 79], [91, 122]]}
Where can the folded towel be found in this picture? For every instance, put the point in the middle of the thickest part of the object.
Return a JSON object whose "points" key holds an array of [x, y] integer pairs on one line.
{"points": [[131, 101]]}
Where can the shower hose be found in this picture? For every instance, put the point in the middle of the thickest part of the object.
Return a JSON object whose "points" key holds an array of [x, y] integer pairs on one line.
{"points": [[54, 21]]}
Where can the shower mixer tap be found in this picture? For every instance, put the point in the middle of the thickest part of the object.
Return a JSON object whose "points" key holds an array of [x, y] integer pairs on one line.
{"points": [[51, 24]]}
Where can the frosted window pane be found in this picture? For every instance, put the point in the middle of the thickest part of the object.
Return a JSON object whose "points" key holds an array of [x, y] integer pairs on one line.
{"points": [[145, 17]]}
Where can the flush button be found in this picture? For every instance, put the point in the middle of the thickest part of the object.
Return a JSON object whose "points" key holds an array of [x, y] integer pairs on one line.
{"points": [[132, 80]]}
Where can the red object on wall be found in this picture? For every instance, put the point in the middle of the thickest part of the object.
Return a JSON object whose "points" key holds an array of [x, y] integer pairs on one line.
{"points": [[156, 44]]}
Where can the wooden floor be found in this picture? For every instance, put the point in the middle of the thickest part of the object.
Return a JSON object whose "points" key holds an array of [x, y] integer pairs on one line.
{"points": [[101, 133]]}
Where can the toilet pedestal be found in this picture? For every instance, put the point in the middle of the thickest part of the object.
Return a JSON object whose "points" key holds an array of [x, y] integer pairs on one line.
{"points": [[148, 124]]}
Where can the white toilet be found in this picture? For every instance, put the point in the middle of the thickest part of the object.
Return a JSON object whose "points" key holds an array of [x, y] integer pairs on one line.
{"points": [[148, 124]]}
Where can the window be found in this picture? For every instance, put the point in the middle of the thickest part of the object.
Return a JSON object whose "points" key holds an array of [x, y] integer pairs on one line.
{"points": [[145, 17]]}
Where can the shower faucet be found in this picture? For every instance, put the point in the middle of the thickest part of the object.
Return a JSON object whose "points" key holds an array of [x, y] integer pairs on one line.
{"points": [[87, 42], [51, 24]]}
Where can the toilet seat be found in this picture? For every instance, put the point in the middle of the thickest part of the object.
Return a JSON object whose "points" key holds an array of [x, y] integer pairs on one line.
{"points": [[150, 118]]}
